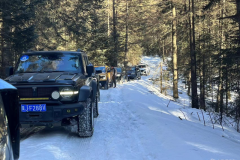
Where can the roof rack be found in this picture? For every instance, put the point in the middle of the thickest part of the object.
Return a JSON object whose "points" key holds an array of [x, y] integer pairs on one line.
{"points": [[79, 50], [29, 50]]}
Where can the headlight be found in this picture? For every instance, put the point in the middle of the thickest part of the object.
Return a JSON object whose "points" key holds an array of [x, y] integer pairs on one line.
{"points": [[55, 95], [67, 92], [102, 77]]}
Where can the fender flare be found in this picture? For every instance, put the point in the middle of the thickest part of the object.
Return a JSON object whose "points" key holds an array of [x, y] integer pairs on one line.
{"points": [[84, 93]]}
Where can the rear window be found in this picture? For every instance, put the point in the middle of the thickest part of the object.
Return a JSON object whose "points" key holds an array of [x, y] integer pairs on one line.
{"points": [[102, 69]]}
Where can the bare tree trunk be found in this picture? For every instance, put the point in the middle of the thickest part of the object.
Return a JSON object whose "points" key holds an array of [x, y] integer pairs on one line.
{"points": [[193, 63], [161, 77], [126, 36], [163, 51], [115, 57], [202, 84], [238, 18], [174, 46], [189, 83], [190, 44], [227, 89], [220, 86], [202, 72], [108, 18]]}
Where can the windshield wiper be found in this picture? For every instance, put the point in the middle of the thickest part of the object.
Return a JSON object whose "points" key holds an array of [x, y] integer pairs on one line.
{"points": [[50, 71], [29, 72]]}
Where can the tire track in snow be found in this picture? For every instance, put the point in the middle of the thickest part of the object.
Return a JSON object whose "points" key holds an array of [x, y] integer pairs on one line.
{"points": [[130, 126]]}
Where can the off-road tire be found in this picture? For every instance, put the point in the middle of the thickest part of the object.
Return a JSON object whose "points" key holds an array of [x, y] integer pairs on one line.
{"points": [[95, 104], [86, 120], [98, 98]]}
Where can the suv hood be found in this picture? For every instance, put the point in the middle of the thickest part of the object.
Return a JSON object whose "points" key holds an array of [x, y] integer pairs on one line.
{"points": [[98, 71], [40, 77]]}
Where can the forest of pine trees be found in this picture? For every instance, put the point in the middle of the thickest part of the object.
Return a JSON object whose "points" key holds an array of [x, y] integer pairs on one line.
{"points": [[201, 36]]}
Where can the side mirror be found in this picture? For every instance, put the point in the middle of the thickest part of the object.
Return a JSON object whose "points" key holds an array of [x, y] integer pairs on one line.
{"points": [[90, 70], [9, 71]]}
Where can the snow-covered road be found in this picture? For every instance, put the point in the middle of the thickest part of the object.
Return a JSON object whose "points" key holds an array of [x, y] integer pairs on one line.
{"points": [[135, 124]]}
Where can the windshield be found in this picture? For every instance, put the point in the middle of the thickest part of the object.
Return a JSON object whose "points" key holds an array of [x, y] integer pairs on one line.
{"points": [[131, 69], [48, 62], [119, 69], [100, 69], [142, 66]]}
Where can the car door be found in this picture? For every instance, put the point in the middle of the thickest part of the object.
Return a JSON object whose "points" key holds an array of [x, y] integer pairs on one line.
{"points": [[108, 73]]}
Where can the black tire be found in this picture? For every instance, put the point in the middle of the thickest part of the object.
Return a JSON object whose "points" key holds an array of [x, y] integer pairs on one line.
{"points": [[16, 144], [86, 120], [98, 98], [106, 85], [95, 109]]}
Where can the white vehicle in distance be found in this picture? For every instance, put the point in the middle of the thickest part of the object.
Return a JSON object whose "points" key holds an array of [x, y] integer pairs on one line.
{"points": [[144, 69]]}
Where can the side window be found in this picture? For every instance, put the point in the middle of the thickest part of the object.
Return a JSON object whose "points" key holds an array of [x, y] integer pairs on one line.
{"points": [[84, 64]]}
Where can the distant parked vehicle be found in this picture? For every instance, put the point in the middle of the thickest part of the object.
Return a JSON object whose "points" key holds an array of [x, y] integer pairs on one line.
{"points": [[9, 122], [105, 76], [133, 73], [144, 69], [119, 76]]}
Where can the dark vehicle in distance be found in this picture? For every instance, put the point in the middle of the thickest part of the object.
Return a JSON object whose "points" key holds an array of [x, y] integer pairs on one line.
{"points": [[133, 73], [9, 122], [56, 88], [119, 77]]}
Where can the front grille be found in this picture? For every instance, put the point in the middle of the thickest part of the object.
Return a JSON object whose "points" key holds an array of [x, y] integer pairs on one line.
{"points": [[46, 92], [25, 92], [40, 92]]}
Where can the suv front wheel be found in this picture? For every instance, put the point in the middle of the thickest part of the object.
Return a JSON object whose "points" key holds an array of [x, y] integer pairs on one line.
{"points": [[86, 120]]}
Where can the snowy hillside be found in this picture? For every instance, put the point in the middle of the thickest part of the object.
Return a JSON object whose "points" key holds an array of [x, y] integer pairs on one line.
{"points": [[137, 122]]}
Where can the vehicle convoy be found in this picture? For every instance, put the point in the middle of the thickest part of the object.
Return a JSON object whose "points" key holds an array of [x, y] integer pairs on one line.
{"points": [[133, 73], [105, 76], [9, 122], [144, 69], [119, 77], [56, 88]]}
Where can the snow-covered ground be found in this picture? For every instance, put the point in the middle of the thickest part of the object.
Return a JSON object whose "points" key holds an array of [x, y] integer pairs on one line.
{"points": [[136, 124]]}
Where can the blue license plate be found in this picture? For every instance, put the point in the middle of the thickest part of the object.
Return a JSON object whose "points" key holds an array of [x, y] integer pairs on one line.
{"points": [[33, 108]]}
